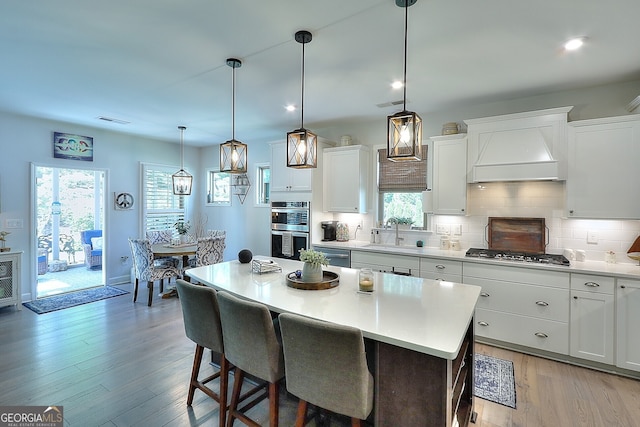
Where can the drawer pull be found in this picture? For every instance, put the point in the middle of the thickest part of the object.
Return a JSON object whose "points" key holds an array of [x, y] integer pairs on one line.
{"points": [[440, 267], [484, 294], [591, 284], [483, 323], [541, 335], [622, 286], [542, 303], [439, 279]]}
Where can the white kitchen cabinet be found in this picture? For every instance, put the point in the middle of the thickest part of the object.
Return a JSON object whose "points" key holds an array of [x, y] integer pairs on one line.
{"points": [[441, 269], [522, 306], [346, 179], [627, 321], [10, 289], [385, 262], [284, 178], [603, 168], [449, 174], [592, 318]]}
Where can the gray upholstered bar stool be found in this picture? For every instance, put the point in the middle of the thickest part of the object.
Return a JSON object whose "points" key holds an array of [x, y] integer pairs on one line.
{"points": [[202, 326], [326, 366], [251, 345]]}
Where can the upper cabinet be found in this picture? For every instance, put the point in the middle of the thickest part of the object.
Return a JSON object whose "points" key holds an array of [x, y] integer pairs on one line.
{"points": [[518, 147], [346, 179], [284, 178], [603, 168], [449, 174]]}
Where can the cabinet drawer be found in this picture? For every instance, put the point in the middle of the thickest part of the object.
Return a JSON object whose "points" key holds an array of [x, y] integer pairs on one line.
{"points": [[456, 278], [540, 334], [403, 262], [591, 283], [531, 276], [528, 300], [440, 266]]}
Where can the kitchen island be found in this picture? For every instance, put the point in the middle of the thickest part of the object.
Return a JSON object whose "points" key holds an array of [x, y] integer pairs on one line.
{"points": [[418, 332]]}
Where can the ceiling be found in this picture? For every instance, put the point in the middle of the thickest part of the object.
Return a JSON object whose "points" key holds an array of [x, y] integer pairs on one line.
{"points": [[158, 64]]}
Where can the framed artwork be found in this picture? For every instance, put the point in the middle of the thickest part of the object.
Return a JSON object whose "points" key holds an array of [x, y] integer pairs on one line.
{"points": [[74, 147], [122, 201]]}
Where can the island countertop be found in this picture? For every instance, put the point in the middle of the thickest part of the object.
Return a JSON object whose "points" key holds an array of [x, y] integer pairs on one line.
{"points": [[423, 315]]}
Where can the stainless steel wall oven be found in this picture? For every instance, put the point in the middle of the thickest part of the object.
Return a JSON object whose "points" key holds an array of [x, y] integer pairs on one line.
{"points": [[290, 228]]}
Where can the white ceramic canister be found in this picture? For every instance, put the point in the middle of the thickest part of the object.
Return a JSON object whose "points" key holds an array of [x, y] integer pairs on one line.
{"points": [[455, 245], [445, 243]]}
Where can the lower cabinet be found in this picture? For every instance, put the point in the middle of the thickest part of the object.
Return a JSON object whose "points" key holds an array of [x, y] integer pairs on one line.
{"points": [[627, 321], [522, 306], [10, 289], [441, 269], [386, 263], [592, 318]]}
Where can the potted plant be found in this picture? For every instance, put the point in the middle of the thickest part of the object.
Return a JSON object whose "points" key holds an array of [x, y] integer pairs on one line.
{"points": [[313, 262], [183, 228], [3, 235], [402, 222]]}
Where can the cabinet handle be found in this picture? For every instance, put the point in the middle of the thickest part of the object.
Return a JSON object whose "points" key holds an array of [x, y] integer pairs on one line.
{"points": [[484, 294], [541, 335], [575, 297], [591, 284], [483, 323], [622, 286], [440, 279], [542, 303], [440, 267]]}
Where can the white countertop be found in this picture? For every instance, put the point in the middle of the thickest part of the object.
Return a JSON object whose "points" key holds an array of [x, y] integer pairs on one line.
{"points": [[624, 270], [419, 314]]}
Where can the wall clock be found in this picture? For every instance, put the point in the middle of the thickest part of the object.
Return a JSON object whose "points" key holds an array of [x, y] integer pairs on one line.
{"points": [[123, 201]]}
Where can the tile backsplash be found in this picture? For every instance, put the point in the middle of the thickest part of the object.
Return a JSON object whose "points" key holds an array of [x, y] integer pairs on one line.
{"points": [[539, 199]]}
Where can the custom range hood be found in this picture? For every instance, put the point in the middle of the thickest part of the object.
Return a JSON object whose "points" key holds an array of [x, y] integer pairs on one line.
{"points": [[526, 146]]}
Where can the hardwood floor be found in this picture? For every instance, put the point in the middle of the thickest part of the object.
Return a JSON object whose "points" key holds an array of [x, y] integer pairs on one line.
{"points": [[115, 363]]}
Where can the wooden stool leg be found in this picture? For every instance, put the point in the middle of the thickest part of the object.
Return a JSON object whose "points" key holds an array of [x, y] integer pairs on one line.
{"points": [[197, 360], [235, 396], [150, 286], [355, 422], [274, 403], [224, 384], [302, 413]]}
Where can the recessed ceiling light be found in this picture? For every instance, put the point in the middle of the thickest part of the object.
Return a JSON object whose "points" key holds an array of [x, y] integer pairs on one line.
{"points": [[397, 84], [575, 43], [290, 107]]}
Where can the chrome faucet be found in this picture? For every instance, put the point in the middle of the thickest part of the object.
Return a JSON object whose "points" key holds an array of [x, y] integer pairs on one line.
{"points": [[398, 238]]}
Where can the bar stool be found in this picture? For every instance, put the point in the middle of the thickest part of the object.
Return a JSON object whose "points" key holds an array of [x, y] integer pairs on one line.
{"points": [[326, 366], [202, 326], [251, 345]]}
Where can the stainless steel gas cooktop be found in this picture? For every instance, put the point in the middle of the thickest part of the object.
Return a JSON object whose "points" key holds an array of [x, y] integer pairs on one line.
{"points": [[518, 256]]}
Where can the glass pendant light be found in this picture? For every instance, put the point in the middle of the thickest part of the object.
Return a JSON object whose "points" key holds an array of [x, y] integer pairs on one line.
{"points": [[182, 180], [302, 145], [404, 129], [233, 153]]}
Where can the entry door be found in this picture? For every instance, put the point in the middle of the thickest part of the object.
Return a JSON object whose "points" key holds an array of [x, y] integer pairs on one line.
{"points": [[68, 201]]}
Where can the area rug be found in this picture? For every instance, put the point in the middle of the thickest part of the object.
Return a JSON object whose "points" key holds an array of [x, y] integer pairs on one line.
{"points": [[494, 380], [72, 299]]}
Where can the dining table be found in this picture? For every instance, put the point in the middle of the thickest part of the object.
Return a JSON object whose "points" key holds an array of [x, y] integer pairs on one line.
{"points": [[419, 333], [164, 250]]}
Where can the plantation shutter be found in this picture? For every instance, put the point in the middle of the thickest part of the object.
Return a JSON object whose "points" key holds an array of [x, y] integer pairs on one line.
{"points": [[403, 176], [161, 208]]}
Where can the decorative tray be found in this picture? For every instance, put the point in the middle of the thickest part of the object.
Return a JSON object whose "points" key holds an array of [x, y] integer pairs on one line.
{"points": [[329, 280]]}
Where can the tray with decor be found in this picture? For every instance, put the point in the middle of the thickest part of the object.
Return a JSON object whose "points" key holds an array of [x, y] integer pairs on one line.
{"points": [[329, 280]]}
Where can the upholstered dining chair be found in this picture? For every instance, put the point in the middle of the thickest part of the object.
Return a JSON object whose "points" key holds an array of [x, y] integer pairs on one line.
{"points": [[145, 270], [202, 326], [216, 233], [326, 366], [209, 250], [251, 345], [162, 236]]}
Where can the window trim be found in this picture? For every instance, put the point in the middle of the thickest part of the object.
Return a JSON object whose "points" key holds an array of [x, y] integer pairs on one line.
{"points": [[172, 215], [210, 177], [259, 167]]}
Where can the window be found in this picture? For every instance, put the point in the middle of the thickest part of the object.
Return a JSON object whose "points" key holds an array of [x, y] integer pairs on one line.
{"points": [[219, 188], [263, 183], [400, 187], [161, 209]]}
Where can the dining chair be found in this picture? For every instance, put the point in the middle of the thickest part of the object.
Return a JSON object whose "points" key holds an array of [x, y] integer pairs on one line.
{"points": [[162, 236], [251, 344], [145, 269], [201, 317], [216, 233], [326, 366], [209, 250]]}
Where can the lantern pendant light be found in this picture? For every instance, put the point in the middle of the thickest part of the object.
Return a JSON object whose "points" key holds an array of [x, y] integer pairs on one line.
{"points": [[233, 153], [302, 145], [182, 180], [404, 129]]}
